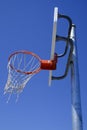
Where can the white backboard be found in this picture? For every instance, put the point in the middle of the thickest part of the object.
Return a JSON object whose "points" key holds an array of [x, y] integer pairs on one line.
{"points": [[53, 40]]}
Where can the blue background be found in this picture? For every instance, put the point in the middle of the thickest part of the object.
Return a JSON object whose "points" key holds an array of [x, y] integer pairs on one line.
{"points": [[28, 25]]}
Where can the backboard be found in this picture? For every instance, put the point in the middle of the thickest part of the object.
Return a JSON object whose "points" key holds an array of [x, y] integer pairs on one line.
{"points": [[53, 40]]}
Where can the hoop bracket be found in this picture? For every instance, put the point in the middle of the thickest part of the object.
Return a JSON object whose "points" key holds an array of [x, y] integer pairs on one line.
{"points": [[49, 64]]}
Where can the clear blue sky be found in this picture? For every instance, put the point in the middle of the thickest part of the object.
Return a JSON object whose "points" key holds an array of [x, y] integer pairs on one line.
{"points": [[27, 24]]}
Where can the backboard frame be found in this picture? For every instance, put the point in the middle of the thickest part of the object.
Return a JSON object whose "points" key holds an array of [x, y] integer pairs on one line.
{"points": [[55, 20]]}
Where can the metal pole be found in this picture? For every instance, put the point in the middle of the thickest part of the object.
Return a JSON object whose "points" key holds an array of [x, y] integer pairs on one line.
{"points": [[75, 89]]}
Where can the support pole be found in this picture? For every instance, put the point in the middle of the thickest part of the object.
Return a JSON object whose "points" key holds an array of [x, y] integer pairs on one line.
{"points": [[75, 86]]}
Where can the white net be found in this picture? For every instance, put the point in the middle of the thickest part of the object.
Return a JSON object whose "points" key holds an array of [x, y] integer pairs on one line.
{"points": [[17, 80]]}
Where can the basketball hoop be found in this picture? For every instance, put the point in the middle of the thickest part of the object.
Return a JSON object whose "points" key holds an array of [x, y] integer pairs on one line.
{"points": [[22, 66]]}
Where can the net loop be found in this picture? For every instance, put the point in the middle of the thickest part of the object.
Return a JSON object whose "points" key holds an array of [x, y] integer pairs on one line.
{"points": [[22, 66]]}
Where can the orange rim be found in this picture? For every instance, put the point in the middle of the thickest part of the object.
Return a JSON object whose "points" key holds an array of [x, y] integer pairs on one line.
{"points": [[28, 53]]}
